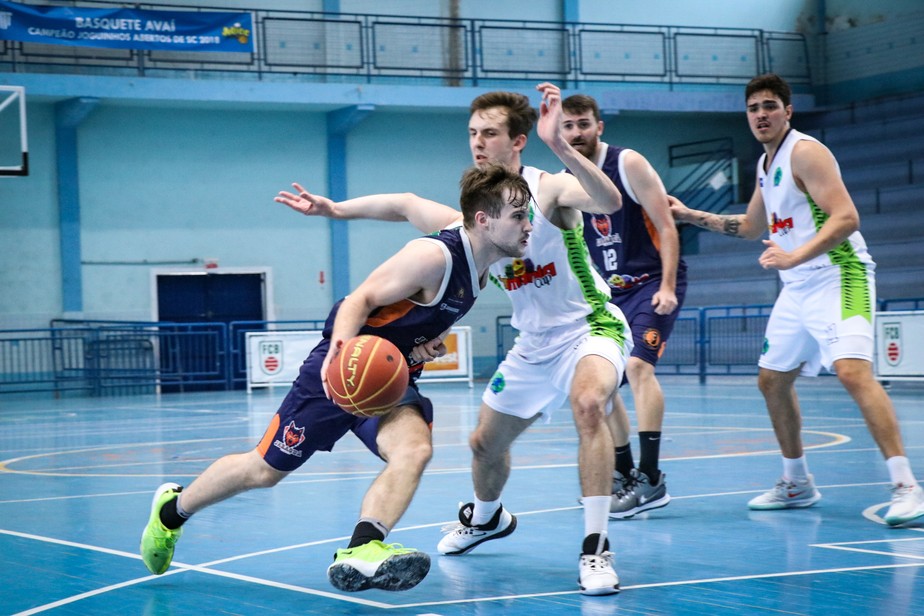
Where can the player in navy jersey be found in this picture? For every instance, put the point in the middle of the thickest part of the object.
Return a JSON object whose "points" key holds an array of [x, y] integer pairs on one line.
{"points": [[412, 299], [637, 250], [572, 341]]}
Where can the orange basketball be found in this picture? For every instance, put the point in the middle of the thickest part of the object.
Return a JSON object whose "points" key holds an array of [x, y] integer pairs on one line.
{"points": [[368, 377]]}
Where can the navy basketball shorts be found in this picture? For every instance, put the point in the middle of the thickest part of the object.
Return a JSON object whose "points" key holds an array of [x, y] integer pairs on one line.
{"points": [[650, 331], [307, 421]]}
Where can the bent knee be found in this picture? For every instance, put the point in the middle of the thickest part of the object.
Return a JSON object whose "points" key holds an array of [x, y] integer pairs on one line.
{"points": [[261, 474], [590, 406]]}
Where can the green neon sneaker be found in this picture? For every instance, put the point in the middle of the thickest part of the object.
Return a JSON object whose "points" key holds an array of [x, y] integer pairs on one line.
{"points": [[378, 565], [158, 541]]}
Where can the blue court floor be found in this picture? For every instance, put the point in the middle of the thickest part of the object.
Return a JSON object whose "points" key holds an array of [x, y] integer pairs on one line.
{"points": [[77, 475]]}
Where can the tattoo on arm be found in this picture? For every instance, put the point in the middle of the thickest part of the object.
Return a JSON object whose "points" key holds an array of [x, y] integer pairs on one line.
{"points": [[732, 225], [729, 224]]}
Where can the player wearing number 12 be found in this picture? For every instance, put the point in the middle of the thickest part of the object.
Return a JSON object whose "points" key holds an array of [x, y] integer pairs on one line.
{"points": [[412, 300]]}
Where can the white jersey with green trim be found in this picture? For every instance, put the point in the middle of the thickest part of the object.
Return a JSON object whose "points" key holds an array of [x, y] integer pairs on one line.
{"points": [[554, 282], [793, 217]]}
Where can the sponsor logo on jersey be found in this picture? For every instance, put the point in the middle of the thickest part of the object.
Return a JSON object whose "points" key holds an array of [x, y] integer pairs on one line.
{"points": [[522, 272], [624, 282], [604, 228], [454, 301], [777, 176], [780, 225], [293, 436]]}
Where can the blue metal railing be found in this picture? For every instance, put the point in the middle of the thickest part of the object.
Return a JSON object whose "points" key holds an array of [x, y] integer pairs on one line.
{"points": [[710, 341], [317, 46], [103, 358]]}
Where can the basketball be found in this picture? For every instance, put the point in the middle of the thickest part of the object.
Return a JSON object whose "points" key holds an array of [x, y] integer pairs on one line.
{"points": [[368, 377]]}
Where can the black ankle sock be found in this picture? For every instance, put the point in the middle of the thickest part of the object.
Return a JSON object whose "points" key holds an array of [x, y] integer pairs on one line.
{"points": [[624, 462], [169, 516], [592, 542], [650, 446], [364, 533]]}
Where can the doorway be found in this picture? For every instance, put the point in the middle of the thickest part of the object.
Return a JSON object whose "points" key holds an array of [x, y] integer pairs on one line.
{"points": [[196, 355]]}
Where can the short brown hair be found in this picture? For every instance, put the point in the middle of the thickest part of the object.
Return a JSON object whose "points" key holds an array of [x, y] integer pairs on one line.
{"points": [[772, 82], [520, 116], [482, 190], [576, 104]]}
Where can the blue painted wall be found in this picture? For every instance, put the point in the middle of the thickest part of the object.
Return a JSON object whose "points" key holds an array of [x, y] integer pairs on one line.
{"points": [[162, 181]]}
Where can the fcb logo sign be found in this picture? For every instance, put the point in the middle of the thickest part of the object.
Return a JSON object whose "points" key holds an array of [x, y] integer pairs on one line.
{"points": [[892, 339], [270, 357]]}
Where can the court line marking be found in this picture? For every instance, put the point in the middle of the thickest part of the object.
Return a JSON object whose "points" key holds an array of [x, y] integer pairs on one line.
{"points": [[736, 578], [178, 568], [836, 440], [862, 551], [206, 569]]}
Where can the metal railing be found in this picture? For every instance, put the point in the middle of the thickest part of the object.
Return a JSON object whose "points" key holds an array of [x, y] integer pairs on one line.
{"points": [[317, 46], [709, 341], [104, 358]]}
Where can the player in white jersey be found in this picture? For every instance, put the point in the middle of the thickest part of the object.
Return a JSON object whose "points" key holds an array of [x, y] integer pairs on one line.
{"points": [[571, 342], [824, 314]]}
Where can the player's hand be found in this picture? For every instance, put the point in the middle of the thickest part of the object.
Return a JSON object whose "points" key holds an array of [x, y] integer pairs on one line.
{"points": [[775, 257], [679, 211], [331, 356], [664, 302], [427, 351], [306, 203], [550, 113]]}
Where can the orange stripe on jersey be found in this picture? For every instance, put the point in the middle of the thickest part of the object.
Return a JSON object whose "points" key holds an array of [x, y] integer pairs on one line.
{"points": [[652, 232], [267, 439], [392, 312]]}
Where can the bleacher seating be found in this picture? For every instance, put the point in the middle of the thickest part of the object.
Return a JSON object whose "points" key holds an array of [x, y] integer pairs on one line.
{"points": [[880, 148]]}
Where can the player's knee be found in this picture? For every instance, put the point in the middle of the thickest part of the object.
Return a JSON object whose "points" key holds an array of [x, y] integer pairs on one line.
{"points": [[639, 371], [854, 373], [770, 382], [413, 455], [482, 445], [268, 477], [261, 475]]}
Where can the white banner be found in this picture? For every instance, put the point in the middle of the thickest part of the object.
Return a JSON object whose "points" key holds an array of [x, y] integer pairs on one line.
{"points": [[456, 364], [899, 352], [274, 357]]}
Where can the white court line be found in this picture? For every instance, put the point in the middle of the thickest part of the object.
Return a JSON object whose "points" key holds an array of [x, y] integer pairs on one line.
{"points": [[178, 568], [844, 548], [349, 599], [836, 440]]}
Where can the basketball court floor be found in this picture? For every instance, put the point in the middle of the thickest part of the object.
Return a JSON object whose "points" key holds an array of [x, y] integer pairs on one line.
{"points": [[77, 475]]}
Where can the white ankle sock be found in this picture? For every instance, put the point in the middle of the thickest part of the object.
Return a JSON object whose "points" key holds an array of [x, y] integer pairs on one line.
{"points": [[795, 469], [900, 471], [484, 511]]}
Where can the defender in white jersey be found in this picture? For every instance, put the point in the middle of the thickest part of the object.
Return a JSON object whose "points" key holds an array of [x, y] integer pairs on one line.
{"points": [[571, 343], [824, 314]]}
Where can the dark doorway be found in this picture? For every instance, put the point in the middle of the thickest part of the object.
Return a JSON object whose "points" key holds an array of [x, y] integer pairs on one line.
{"points": [[197, 357]]}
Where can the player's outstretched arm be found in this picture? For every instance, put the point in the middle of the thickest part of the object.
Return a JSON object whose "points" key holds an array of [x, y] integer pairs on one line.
{"points": [[589, 189], [750, 225], [428, 216]]}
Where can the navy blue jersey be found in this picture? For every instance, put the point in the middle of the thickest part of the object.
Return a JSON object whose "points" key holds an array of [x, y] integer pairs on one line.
{"points": [[407, 324], [624, 246]]}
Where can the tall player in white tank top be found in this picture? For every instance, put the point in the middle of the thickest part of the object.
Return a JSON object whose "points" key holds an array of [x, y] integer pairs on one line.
{"points": [[824, 314]]}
